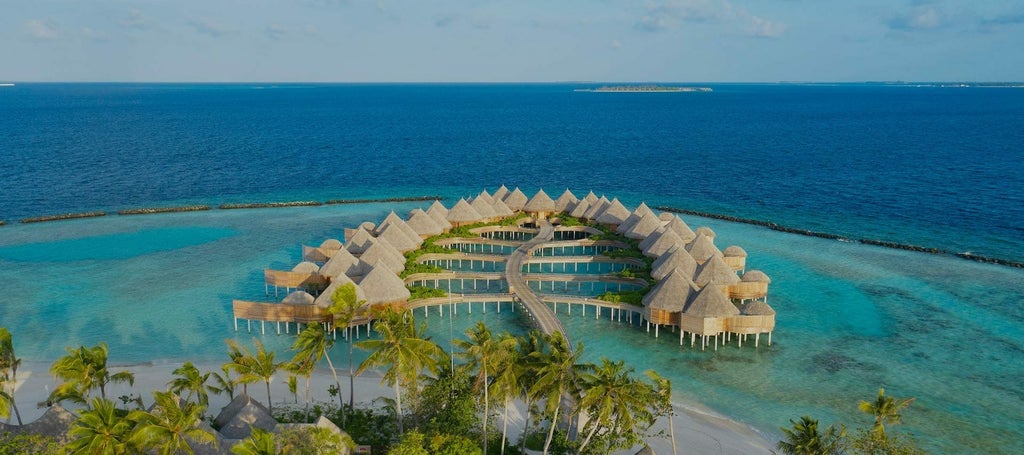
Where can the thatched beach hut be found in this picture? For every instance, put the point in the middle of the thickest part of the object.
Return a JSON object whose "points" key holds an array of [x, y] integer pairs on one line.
{"points": [[484, 208], [439, 213], [666, 300], [597, 208], [379, 253], [306, 267], [299, 298], [423, 224], [736, 257], [462, 214], [580, 209], [613, 215], [342, 263], [633, 218], [515, 200], [396, 221], [359, 241], [501, 209], [397, 238], [500, 193], [540, 205], [644, 227], [665, 242], [703, 248], [705, 231], [566, 202], [753, 285], [705, 315], [676, 258], [383, 287], [591, 198], [755, 318], [681, 229], [715, 272], [324, 300]]}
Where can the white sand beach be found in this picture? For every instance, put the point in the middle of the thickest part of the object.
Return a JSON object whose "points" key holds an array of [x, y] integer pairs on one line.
{"points": [[695, 431]]}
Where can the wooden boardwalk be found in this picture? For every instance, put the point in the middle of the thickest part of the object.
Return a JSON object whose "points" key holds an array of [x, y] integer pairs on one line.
{"points": [[543, 317]]}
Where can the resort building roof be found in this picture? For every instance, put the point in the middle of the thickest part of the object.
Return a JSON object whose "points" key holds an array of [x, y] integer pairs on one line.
{"points": [[359, 242], [758, 308], [715, 271], [485, 196], [394, 220], [501, 192], [580, 209], [382, 285], [706, 231], [501, 209], [306, 267], [710, 302], [342, 263], [755, 276], [540, 203], [515, 200], [703, 248], [664, 243], [324, 300], [614, 214], [671, 293], [483, 207], [734, 252], [566, 201], [643, 227], [597, 208], [331, 244], [463, 213], [634, 217], [676, 258], [591, 198], [299, 298], [396, 238], [423, 223], [681, 228], [379, 253]]}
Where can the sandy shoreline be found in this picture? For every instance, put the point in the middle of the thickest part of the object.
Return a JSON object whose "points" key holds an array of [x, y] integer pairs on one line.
{"points": [[696, 431]]}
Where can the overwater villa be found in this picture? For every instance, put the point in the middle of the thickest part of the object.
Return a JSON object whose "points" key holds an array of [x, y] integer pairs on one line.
{"points": [[537, 255]]}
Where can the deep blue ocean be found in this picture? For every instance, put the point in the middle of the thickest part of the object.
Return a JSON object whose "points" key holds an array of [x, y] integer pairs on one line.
{"points": [[928, 166]]}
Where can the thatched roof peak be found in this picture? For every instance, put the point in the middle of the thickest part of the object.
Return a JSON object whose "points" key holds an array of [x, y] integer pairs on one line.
{"points": [[379, 252], [580, 209], [633, 218], [716, 272], [500, 193], [676, 258], [591, 198], [681, 229], [671, 293], [540, 202], [515, 200], [382, 285], [330, 244], [484, 208], [395, 237], [566, 201], [462, 212], [597, 208], [614, 214], [299, 298], [394, 220], [306, 267], [665, 242], [359, 242], [710, 302], [423, 223], [437, 206], [324, 299], [755, 276], [706, 231], [651, 238], [643, 227], [703, 248], [734, 251], [439, 213], [758, 308], [501, 209], [342, 263], [485, 196]]}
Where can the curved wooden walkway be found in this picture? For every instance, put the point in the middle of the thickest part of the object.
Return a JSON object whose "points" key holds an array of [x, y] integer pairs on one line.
{"points": [[543, 317]]}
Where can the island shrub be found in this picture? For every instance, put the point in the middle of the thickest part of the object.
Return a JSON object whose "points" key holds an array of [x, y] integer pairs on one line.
{"points": [[423, 292]]}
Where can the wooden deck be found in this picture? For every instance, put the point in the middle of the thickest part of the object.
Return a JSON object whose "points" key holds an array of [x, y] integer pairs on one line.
{"points": [[543, 317]]}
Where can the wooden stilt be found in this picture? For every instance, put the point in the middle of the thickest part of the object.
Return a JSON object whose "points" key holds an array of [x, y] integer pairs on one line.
{"points": [[757, 338]]}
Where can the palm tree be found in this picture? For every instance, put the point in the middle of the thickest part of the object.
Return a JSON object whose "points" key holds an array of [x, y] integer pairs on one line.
{"points": [[260, 442], [224, 382], [172, 427], [346, 305], [189, 378], [101, 430], [805, 439], [9, 363], [82, 370], [403, 349], [885, 410], [557, 375], [304, 368], [310, 346], [530, 351], [255, 367], [483, 354], [616, 404], [508, 379], [663, 393]]}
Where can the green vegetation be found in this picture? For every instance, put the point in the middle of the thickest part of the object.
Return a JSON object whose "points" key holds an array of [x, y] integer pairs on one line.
{"points": [[630, 297], [804, 438], [423, 292], [29, 443]]}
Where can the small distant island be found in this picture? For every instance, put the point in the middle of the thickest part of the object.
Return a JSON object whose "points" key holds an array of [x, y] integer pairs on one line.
{"points": [[642, 89]]}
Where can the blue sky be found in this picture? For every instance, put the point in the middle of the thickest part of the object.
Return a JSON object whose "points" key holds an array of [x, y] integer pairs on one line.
{"points": [[511, 41]]}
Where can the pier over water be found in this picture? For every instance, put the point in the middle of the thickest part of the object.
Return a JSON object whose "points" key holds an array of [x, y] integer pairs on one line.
{"points": [[542, 316]]}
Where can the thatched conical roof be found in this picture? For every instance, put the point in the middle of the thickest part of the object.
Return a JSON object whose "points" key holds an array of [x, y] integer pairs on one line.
{"points": [[306, 267], [710, 302], [54, 423], [681, 229], [501, 209], [715, 271], [331, 244], [243, 414], [324, 299], [382, 285], [706, 231], [501, 192], [439, 213], [378, 252], [423, 224], [614, 214], [515, 200], [485, 196], [540, 202], [342, 263], [755, 276], [394, 220], [580, 209], [671, 293], [483, 207], [666, 216], [647, 450], [644, 227], [664, 243], [633, 218], [703, 248], [734, 251], [566, 201], [299, 298], [396, 238], [675, 258], [597, 208], [359, 242], [462, 212], [758, 308], [591, 198], [653, 237]]}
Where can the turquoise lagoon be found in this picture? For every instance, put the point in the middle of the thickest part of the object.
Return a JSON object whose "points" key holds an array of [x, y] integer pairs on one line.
{"points": [[852, 318]]}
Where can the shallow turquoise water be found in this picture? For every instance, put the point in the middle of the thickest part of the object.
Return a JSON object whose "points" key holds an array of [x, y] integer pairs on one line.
{"points": [[852, 317]]}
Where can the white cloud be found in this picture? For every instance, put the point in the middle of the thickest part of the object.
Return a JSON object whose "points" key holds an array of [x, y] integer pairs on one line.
{"points": [[41, 29], [920, 17], [673, 13], [763, 28], [208, 27]]}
